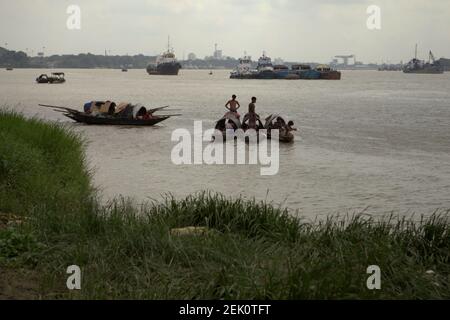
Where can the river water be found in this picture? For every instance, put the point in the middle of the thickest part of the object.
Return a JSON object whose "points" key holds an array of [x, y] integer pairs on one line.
{"points": [[374, 141]]}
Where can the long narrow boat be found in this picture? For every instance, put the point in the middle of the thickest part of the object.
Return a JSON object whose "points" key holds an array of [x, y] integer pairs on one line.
{"points": [[111, 118]]}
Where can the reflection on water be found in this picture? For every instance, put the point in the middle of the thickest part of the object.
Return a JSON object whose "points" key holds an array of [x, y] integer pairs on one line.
{"points": [[374, 139]]}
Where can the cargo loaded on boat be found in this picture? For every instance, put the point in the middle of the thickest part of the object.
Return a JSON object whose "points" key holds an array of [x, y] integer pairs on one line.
{"points": [[326, 73]]}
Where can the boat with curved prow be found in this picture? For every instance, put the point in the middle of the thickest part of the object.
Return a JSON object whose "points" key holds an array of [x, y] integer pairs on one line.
{"points": [[278, 122], [55, 77], [108, 113]]}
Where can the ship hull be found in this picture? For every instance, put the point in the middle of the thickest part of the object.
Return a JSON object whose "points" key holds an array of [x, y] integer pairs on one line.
{"points": [[330, 75], [165, 69], [309, 74], [425, 71]]}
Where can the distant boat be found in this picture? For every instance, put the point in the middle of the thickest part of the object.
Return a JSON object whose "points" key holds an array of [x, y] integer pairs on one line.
{"points": [[56, 77], [422, 67], [166, 64], [305, 72], [265, 68], [9, 69], [210, 73], [326, 73], [124, 70], [243, 69]]}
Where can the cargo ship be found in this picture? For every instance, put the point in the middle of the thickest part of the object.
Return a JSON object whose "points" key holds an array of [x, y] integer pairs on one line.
{"points": [[422, 67], [166, 64], [266, 70]]}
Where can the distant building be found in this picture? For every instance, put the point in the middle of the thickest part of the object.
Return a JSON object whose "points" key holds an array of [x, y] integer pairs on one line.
{"points": [[192, 56], [217, 53]]}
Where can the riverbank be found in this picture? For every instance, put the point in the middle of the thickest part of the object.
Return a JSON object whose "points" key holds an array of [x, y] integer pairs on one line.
{"points": [[238, 249]]}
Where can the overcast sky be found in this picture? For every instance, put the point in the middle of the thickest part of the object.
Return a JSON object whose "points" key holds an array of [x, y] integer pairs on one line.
{"points": [[296, 30]]}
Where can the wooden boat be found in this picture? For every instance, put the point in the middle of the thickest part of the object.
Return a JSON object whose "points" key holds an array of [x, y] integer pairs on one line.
{"points": [[275, 121], [221, 125], [229, 124], [56, 77], [111, 120], [123, 117]]}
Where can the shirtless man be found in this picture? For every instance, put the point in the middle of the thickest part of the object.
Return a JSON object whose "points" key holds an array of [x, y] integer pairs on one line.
{"points": [[252, 117], [233, 106]]}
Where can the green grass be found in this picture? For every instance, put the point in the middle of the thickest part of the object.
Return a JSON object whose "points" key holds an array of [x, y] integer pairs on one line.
{"points": [[252, 251]]}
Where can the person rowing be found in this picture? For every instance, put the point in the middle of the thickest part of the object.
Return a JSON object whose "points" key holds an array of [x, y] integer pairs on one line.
{"points": [[233, 106]]}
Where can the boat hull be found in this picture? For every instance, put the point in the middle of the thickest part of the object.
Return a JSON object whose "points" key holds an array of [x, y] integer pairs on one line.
{"points": [[330, 75], [164, 69], [50, 81], [425, 71], [89, 119], [309, 74]]}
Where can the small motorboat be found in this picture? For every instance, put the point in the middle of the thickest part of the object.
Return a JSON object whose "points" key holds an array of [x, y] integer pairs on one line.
{"points": [[56, 77], [108, 113], [277, 122]]}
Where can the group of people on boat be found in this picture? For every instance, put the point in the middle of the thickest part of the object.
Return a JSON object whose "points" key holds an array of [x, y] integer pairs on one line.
{"points": [[252, 120]]}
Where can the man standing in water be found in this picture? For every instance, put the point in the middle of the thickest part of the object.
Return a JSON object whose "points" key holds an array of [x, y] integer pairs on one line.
{"points": [[252, 117], [233, 106]]}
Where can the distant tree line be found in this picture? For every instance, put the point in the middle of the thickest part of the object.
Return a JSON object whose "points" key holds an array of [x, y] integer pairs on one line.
{"points": [[19, 59], [22, 60]]}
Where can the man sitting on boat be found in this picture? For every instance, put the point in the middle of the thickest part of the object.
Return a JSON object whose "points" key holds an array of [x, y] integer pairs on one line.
{"points": [[251, 119], [233, 106]]}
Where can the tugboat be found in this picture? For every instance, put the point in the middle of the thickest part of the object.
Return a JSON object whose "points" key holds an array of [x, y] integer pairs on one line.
{"points": [[166, 64], [265, 68], [243, 69], [422, 67]]}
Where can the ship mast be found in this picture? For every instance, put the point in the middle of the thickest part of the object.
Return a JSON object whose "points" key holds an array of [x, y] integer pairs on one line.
{"points": [[415, 56]]}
